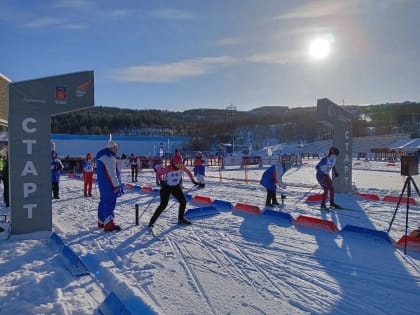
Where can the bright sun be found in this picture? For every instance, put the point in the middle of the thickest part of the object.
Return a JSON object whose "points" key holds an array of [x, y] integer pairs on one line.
{"points": [[320, 48]]}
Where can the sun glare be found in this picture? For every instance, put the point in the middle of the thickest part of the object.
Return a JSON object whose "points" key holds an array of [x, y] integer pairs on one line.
{"points": [[319, 48]]}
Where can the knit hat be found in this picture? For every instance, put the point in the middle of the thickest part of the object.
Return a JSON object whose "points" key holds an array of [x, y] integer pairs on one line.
{"points": [[177, 158], [333, 150], [112, 144]]}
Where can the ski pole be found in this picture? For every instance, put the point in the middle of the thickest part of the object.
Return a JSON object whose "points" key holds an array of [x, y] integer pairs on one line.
{"points": [[137, 213], [145, 209], [283, 196], [95, 182]]}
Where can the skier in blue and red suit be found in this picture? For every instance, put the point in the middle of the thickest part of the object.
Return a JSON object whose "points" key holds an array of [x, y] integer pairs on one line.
{"points": [[110, 187], [272, 177], [200, 169], [323, 169]]}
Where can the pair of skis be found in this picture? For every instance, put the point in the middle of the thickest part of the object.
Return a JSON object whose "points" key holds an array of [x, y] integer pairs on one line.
{"points": [[339, 208], [155, 231], [274, 207]]}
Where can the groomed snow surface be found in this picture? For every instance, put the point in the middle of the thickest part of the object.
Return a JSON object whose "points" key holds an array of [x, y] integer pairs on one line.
{"points": [[229, 262]]}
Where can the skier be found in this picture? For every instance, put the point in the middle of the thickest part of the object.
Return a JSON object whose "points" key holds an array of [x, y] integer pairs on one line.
{"points": [[110, 187], [323, 168], [200, 169], [88, 166], [134, 167], [272, 177], [169, 178], [56, 167]]}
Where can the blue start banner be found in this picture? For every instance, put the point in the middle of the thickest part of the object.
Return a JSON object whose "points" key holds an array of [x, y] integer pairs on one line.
{"points": [[340, 121], [31, 105]]}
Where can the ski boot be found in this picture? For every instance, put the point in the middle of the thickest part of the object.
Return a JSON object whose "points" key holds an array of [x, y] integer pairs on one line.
{"points": [[335, 206], [184, 222]]}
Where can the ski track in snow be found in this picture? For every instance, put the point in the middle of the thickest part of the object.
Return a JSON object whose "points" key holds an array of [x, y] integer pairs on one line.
{"points": [[192, 275], [282, 271], [108, 265]]}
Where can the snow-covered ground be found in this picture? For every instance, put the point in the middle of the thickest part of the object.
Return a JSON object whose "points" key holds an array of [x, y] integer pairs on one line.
{"points": [[232, 262]]}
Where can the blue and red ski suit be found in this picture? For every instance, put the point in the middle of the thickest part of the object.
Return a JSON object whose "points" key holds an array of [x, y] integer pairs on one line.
{"points": [[108, 180]]}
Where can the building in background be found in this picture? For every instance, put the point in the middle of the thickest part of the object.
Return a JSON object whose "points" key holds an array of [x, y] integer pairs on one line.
{"points": [[4, 109], [4, 114], [150, 146]]}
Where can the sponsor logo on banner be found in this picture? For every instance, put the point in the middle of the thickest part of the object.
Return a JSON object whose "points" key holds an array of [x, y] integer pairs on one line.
{"points": [[34, 100], [61, 95], [83, 88]]}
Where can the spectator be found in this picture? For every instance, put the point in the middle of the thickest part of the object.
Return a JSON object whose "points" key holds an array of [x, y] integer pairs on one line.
{"points": [[200, 169], [134, 167], [56, 167], [88, 171], [110, 187], [5, 179]]}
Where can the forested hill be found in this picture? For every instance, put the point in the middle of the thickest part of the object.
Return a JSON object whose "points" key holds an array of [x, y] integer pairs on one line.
{"points": [[218, 125]]}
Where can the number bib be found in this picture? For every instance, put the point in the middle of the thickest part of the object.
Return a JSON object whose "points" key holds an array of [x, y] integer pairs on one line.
{"points": [[174, 178]]}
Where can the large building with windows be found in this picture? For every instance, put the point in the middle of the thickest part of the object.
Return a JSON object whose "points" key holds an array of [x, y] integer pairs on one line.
{"points": [[4, 110]]}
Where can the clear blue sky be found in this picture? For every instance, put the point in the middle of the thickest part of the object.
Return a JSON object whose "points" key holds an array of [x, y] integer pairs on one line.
{"points": [[186, 54]]}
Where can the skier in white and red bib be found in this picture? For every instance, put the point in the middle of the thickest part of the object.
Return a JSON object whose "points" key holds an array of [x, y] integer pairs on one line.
{"points": [[169, 179]]}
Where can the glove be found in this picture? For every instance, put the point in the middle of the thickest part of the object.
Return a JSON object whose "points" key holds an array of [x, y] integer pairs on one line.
{"points": [[282, 185]]}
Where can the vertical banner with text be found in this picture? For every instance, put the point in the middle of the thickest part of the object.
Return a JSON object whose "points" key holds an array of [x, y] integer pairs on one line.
{"points": [[31, 105], [340, 121]]}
